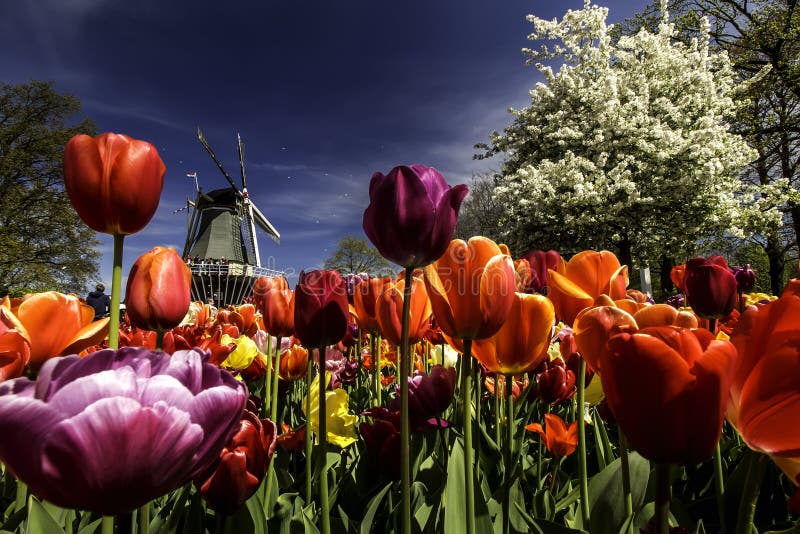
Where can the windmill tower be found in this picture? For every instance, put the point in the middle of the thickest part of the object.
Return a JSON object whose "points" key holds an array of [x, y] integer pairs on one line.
{"points": [[221, 246]]}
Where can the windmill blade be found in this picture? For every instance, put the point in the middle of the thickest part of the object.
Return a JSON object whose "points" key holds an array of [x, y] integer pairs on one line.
{"points": [[264, 224], [216, 160], [241, 161]]}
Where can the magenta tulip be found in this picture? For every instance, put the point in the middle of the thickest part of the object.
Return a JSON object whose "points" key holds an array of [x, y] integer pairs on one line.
{"points": [[412, 214], [112, 431]]}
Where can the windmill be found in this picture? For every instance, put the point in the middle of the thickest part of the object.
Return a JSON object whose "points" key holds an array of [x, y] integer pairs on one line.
{"points": [[221, 246]]}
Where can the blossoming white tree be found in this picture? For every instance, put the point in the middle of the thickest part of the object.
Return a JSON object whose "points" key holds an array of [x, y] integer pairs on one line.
{"points": [[626, 147]]}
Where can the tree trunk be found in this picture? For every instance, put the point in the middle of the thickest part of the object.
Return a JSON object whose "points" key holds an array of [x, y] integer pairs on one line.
{"points": [[777, 262], [667, 287], [624, 257]]}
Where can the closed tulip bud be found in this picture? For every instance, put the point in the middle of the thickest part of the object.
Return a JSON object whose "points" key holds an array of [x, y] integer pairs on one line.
{"points": [[540, 262], [745, 278], [365, 297], [277, 309], [242, 465], [710, 287], [390, 310], [556, 383], [412, 214], [320, 308], [114, 182], [158, 292], [293, 363]]}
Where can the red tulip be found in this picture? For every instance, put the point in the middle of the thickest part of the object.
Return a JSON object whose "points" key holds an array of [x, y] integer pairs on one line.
{"points": [[668, 389], [114, 182], [555, 382], [158, 292], [242, 465], [412, 214], [540, 262], [320, 308], [711, 288]]}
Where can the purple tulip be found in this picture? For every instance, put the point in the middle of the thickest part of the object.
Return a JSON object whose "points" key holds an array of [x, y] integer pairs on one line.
{"points": [[676, 301], [111, 431], [429, 396], [412, 214], [745, 278]]}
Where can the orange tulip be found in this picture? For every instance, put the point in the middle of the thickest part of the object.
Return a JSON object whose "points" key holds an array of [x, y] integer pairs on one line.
{"points": [[594, 327], [277, 308], [58, 324], [364, 301], [676, 275], [389, 307], [765, 390], [560, 439], [521, 343], [471, 288], [587, 276], [294, 363], [15, 346], [113, 182], [158, 292]]}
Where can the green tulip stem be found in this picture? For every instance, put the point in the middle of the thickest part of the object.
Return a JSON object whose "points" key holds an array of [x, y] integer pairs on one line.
{"points": [[497, 414], [719, 486], [508, 467], [107, 523], [116, 287], [322, 448], [582, 444], [22, 496], [752, 486], [273, 414], [308, 426], [626, 473], [661, 517], [466, 405], [376, 363], [405, 425], [160, 339], [143, 518], [268, 377]]}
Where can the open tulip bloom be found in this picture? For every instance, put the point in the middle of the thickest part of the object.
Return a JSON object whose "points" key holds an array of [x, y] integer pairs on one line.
{"points": [[111, 431]]}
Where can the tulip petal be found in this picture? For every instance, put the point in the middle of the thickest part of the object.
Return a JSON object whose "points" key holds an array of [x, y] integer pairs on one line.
{"points": [[497, 295], [568, 297], [116, 446], [75, 396]]}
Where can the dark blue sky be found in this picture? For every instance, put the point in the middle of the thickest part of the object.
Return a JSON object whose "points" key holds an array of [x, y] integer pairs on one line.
{"points": [[323, 94]]}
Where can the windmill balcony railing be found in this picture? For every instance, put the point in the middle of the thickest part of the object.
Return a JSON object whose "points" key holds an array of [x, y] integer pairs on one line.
{"points": [[232, 269]]}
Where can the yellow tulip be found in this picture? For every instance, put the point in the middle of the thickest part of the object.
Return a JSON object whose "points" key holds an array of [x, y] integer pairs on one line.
{"points": [[244, 353], [341, 424]]}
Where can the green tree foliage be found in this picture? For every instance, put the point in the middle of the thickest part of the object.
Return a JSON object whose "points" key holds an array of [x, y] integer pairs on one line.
{"points": [[355, 255], [44, 243], [763, 41], [627, 147]]}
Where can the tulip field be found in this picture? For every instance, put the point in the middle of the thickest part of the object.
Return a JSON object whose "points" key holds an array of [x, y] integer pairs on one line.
{"points": [[472, 393]]}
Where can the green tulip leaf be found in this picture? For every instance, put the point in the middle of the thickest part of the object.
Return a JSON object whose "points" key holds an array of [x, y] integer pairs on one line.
{"points": [[372, 509], [256, 509], [454, 517], [40, 520], [606, 498]]}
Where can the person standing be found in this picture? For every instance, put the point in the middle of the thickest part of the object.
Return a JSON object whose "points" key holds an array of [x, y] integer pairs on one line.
{"points": [[99, 301]]}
